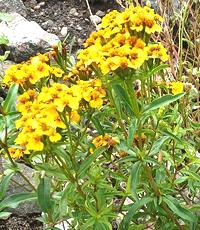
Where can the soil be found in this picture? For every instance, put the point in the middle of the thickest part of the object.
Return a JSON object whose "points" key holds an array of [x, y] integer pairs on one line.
{"points": [[53, 15], [21, 223]]}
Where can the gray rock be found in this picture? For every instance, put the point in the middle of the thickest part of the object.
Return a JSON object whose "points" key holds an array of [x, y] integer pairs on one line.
{"points": [[176, 5], [100, 13], [16, 186], [26, 38], [47, 24], [9, 6], [73, 11], [95, 19]]}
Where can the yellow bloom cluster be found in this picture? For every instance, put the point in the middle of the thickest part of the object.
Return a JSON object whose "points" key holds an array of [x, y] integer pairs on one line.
{"points": [[92, 92], [120, 43], [176, 87], [41, 111], [31, 71], [17, 153], [105, 140]]}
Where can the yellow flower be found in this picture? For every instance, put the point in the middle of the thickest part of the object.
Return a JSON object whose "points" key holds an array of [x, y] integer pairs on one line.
{"points": [[17, 153], [74, 116], [157, 51], [54, 137], [176, 87], [105, 140], [58, 72], [34, 142]]}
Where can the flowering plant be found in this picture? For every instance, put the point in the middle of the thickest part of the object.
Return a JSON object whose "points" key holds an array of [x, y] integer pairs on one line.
{"points": [[108, 136]]}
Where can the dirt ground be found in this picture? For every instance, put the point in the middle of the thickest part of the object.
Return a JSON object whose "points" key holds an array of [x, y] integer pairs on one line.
{"points": [[53, 15]]}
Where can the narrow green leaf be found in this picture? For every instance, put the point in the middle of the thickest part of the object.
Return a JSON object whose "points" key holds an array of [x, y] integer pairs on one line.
{"points": [[131, 132], [51, 170], [157, 69], [14, 200], [132, 211], [119, 90], [163, 101], [4, 185], [135, 174], [172, 136], [5, 56], [192, 175], [10, 101], [43, 193], [175, 206], [158, 145], [5, 215], [97, 125], [88, 161], [89, 222]]}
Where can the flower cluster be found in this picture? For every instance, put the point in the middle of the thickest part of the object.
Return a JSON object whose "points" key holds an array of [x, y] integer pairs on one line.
{"points": [[103, 140], [45, 112], [17, 153], [31, 71], [121, 42]]}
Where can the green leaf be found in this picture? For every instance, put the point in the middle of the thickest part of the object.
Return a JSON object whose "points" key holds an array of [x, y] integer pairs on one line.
{"points": [[97, 125], [4, 184], [132, 211], [158, 145], [163, 101], [136, 227], [172, 136], [4, 40], [51, 170], [134, 179], [176, 208], [192, 175], [43, 193], [9, 103], [119, 90], [89, 222], [89, 160], [131, 132], [157, 69], [102, 226], [5, 56], [90, 208], [14, 200], [5, 17], [5, 215], [68, 191]]}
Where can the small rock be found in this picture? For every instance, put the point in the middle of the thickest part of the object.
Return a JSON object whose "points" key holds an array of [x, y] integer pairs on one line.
{"points": [[79, 28], [47, 24], [73, 11], [100, 13], [42, 13], [64, 31], [41, 3], [95, 19], [80, 41], [37, 7]]}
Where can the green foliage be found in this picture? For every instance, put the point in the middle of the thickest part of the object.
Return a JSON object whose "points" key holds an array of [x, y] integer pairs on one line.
{"points": [[132, 162]]}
